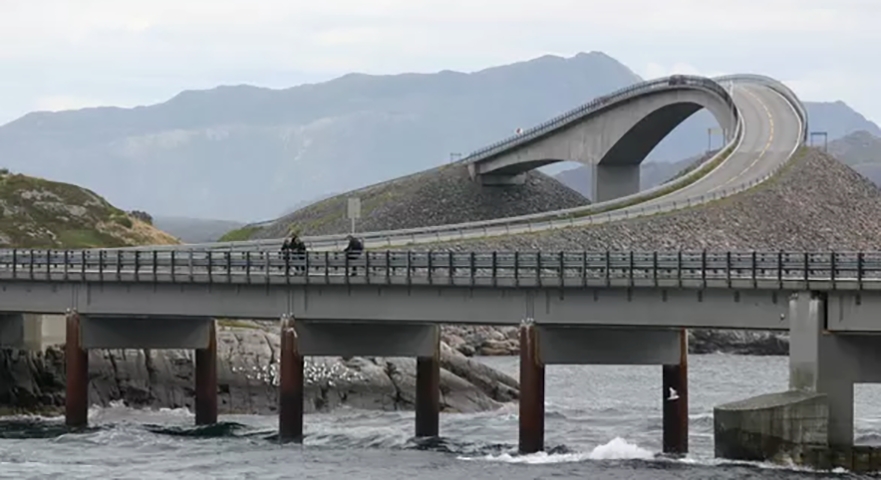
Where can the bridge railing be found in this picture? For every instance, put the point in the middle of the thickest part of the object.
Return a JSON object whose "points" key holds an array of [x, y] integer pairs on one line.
{"points": [[518, 268]]}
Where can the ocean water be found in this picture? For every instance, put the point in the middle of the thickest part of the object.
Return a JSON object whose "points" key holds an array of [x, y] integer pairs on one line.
{"points": [[602, 422]]}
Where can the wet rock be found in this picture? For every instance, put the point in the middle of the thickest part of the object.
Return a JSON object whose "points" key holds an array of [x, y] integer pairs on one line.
{"points": [[247, 374]]}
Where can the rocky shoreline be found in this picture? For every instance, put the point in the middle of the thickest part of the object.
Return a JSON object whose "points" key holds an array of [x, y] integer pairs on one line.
{"points": [[247, 378], [482, 340]]}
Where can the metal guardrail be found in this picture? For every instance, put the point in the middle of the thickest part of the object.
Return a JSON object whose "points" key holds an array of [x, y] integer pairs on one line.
{"points": [[554, 219], [826, 270]]}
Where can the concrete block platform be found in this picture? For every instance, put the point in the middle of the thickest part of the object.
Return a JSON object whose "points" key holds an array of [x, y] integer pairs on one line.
{"points": [[771, 427]]}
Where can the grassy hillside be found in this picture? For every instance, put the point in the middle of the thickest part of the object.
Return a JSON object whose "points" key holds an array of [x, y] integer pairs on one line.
{"points": [[39, 213]]}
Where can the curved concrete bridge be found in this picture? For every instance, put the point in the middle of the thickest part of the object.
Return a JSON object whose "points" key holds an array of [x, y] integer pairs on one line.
{"points": [[763, 122], [614, 136]]}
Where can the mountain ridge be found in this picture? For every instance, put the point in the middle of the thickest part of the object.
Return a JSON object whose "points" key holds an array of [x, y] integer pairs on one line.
{"points": [[245, 153]]}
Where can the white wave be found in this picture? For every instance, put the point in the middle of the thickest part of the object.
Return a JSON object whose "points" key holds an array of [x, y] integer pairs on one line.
{"points": [[616, 449]]}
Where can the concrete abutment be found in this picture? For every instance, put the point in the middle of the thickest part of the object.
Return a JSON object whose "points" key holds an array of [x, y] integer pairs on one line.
{"points": [[816, 414]]}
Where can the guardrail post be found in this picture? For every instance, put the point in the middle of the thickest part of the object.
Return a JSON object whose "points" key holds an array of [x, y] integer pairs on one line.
{"points": [[137, 264], [780, 269], [704, 268], [290, 391], [860, 270], [532, 391], [14, 264], [31, 265], [66, 264], [832, 268], [101, 262], [76, 363], [608, 273], [807, 271], [206, 380], [119, 254], [173, 267]]}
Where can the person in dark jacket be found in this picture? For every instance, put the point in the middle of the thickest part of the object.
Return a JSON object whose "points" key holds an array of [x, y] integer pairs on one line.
{"points": [[353, 250], [294, 249]]}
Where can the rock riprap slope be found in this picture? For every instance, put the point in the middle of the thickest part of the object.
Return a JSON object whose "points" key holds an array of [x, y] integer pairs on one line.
{"points": [[815, 204], [439, 196]]}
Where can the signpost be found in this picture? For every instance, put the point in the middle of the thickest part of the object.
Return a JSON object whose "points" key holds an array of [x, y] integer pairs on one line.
{"points": [[710, 132], [825, 139], [354, 211]]}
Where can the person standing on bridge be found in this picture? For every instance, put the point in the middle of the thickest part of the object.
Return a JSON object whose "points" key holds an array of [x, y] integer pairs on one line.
{"points": [[353, 250], [294, 248]]}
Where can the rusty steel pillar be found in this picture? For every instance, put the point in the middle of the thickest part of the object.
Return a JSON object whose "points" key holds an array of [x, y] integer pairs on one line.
{"points": [[290, 385], [675, 398], [206, 380], [532, 391], [428, 393], [76, 360]]}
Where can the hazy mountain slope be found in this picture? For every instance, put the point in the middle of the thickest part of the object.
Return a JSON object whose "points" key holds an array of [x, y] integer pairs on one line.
{"points": [[862, 152], [247, 153], [194, 230]]}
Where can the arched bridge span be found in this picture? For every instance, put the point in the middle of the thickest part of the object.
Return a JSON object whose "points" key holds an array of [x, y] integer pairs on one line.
{"points": [[613, 134]]}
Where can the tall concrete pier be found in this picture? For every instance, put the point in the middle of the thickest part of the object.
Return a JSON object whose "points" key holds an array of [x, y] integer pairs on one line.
{"points": [[290, 385], [674, 396], [532, 391], [76, 358], [85, 332], [206, 381]]}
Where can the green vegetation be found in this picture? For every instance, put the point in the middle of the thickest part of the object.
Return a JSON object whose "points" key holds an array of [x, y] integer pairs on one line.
{"points": [[39, 213], [239, 234]]}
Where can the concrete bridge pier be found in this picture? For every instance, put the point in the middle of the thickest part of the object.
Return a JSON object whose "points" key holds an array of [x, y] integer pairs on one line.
{"points": [[358, 339], [614, 181], [674, 396], [76, 364], [542, 345], [290, 385], [206, 380], [532, 391], [428, 394], [86, 332], [817, 410]]}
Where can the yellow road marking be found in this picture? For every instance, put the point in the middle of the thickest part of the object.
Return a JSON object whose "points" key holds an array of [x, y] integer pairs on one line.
{"points": [[764, 150]]}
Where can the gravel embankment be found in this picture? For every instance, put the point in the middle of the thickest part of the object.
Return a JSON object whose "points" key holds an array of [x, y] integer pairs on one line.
{"points": [[439, 196], [816, 204]]}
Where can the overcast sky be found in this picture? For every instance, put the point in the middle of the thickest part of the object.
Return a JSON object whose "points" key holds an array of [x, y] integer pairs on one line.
{"points": [[62, 54]]}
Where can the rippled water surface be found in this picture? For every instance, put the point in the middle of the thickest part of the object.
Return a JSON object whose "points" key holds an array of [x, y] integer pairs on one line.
{"points": [[602, 422]]}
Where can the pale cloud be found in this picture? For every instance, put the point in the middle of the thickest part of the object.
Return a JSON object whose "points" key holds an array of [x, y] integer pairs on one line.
{"points": [[66, 49]]}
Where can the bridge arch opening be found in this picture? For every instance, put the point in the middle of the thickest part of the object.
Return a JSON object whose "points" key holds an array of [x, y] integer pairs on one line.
{"points": [[614, 143]]}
